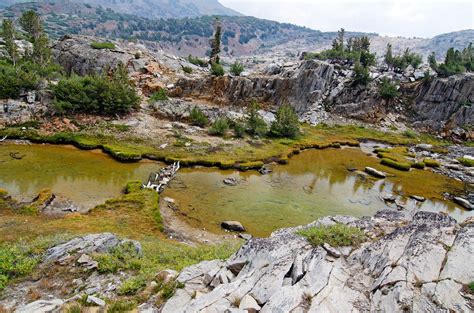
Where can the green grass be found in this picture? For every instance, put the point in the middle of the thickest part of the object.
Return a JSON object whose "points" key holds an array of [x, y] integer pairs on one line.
{"points": [[121, 306], [471, 287], [336, 235], [131, 286], [122, 257], [402, 166], [19, 259], [102, 45]]}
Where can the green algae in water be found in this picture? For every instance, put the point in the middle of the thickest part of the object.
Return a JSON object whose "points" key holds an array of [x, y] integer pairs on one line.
{"points": [[87, 178], [314, 184]]}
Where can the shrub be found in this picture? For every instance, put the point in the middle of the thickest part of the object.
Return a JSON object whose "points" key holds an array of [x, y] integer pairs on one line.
{"points": [[256, 126], [160, 95], [239, 129], [237, 68], [102, 45], [286, 123], [95, 94], [198, 117], [13, 81], [219, 127], [397, 165], [16, 260], [187, 69], [387, 90], [335, 235], [361, 75], [197, 61], [431, 163], [217, 69]]}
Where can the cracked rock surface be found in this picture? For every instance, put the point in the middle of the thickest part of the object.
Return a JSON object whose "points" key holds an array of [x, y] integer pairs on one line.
{"points": [[418, 264]]}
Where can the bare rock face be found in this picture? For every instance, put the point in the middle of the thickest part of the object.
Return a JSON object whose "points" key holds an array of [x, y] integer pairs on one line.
{"points": [[300, 85], [418, 264], [19, 111], [446, 103]]}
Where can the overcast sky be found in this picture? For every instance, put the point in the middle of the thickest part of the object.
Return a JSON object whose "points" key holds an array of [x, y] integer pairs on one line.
{"points": [[409, 18]]}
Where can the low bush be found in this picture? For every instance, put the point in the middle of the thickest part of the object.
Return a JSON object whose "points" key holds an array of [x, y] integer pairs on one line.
{"points": [[388, 90], [237, 68], [255, 124], [14, 81], [396, 165], [187, 69], [219, 127], [95, 94], [121, 306], [160, 95], [198, 117], [239, 129], [197, 61], [217, 70], [336, 235], [102, 45], [286, 124]]}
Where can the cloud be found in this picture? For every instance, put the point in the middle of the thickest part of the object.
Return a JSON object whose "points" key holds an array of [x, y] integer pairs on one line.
{"points": [[421, 18]]}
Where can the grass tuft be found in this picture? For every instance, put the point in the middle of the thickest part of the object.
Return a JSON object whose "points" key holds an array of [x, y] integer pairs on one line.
{"points": [[431, 163], [396, 165], [336, 235]]}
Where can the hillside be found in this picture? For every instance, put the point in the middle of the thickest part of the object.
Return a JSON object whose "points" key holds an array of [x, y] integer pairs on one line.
{"points": [[154, 8], [241, 34]]}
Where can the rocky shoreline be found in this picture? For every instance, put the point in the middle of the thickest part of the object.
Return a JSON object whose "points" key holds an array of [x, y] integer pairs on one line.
{"points": [[405, 263], [416, 264]]}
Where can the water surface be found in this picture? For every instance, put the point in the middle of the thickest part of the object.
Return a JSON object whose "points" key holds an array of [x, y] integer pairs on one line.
{"points": [[314, 184]]}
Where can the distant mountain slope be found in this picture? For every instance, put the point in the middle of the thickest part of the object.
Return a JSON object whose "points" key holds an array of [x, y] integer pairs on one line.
{"points": [[241, 34], [153, 8]]}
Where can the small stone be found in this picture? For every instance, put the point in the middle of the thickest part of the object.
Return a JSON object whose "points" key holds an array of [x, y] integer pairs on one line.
{"points": [[464, 203], [375, 173], [418, 198], [331, 251], [389, 197], [249, 303], [96, 301], [232, 226], [166, 276], [245, 236], [231, 181], [169, 200]]}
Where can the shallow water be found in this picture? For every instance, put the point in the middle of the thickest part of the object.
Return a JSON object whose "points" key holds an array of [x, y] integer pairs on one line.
{"points": [[314, 184], [86, 177]]}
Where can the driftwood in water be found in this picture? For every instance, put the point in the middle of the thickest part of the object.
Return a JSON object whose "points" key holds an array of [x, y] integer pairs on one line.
{"points": [[3, 139], [158, 181]]}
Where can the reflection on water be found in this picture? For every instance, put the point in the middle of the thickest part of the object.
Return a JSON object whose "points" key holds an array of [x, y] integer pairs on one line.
{"points": [[314, 184], [87, 178]]}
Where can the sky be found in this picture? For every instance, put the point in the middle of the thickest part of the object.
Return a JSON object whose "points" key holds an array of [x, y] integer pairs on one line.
{"points": [[408, 18]]}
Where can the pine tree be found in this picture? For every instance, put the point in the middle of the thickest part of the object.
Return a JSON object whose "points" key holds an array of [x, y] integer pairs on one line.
{"points": [[31, 23], [9, 38], [389, 56], [432, 60], [216, 42]]}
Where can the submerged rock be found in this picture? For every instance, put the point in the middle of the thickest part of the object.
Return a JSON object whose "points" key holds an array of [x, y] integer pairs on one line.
{"points": [[231, 181], [232, 226], [464, 203], [407, 264], [376, 173]]}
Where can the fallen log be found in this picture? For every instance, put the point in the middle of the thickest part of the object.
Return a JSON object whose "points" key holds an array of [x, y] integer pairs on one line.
{"points": [[3, 139], [159, 180]]}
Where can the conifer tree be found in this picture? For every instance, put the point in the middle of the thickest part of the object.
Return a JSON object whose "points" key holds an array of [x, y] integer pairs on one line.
{"points": [[9, 38], [216, 42]]}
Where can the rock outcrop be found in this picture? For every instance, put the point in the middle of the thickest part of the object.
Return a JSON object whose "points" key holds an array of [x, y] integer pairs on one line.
{"points": [[418, 264], [445, 103]]}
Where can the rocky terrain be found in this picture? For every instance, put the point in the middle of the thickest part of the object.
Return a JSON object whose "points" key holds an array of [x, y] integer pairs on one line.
{"points": [[406, 263]]}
